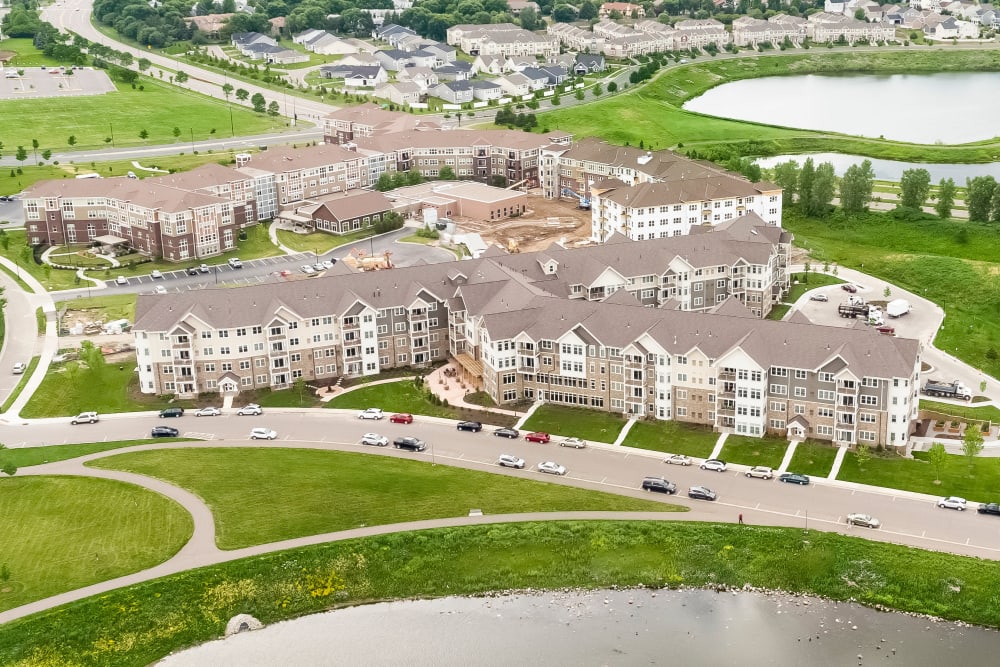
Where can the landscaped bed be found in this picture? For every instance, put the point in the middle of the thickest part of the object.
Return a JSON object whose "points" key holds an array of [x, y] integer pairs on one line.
{"points": [[590, 425], [139, 625], [673, 437]]}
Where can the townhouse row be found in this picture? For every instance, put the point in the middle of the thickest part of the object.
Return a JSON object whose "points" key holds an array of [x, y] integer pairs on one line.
{"points": [[572, 327]]}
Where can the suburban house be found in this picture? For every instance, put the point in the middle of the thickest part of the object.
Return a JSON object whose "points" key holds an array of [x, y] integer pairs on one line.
{"points": [[515, 6], [488, 65], [501, 39], [354, 59], [554, 75], [324, 43], [392, 33], [400, 92], [395, 60], [256, 46], [588, 63], [422, 76], [455, 92], [356, 76], [456, 71], [519, 63], [625, 9], [515, 84], [486, 90], [538, 79], [443, 53]]}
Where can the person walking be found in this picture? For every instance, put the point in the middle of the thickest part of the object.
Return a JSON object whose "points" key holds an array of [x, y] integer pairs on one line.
{"points": [[741, 518]]}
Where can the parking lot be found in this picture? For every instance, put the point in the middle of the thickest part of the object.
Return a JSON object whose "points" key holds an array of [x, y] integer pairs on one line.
{"points": [[53, 82], [254, 271]]}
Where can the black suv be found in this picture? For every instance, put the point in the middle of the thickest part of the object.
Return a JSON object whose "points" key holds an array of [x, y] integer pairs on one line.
{"points": [[172, 412], [989, 508], [164, 432], [475, 427], [659, 485], [413, 444]]}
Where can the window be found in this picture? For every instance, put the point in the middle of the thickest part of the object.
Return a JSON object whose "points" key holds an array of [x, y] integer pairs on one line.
{"points": [[825, 395], [780, 389], [868, 400], [800, 392], [801, 375]]}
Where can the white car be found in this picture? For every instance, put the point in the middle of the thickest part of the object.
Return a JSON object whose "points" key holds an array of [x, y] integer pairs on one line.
{"points": [[866, 520], [761, 472], [510, 461], [818, 297], [20, 367], [208, 412], [263, 434], [160, 289], [121, 280], [371, 413], [155, 274], [85, 418], [552, 468], [717, 465], [203, 268], [575, 443], [678, 460], [374, 439], [327, 264], [251, 409], [953, 503], [308, 270]]}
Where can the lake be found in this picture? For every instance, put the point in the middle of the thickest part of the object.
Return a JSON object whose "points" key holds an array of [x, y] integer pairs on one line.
{"points": [[891, 170], [948, 108], [639, 627]]}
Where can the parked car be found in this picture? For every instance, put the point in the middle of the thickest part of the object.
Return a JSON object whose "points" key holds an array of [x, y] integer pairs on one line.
{"points": [[848, 287], [953, 503], [701, 493], [761, 472], [308, 270], [374, 439], [250, 409], [658, 484], [160, 289], [866, 520], [85, 418], [718, 465], [208, 412], [20, 367], [507, 433], [818, 296], [538, 436], [793, 478], [235, 263], [371, 413], [192, 271], [401, 418], [886, 330], [678, 460], [318, 266], [203, 268], [510, 461], [575, 443], [155, 275], [164, 432], [171, 412], [328, 263], [262, 434], [413, 444], [475, 427], [551, 468], [121, 280], [989, 508]]}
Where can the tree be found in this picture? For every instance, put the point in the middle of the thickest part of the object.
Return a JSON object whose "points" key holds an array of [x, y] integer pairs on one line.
{"points": [[529, 19], [979, 197], [227, 90], [384, 183], [597, 91], [34, 148], [447, 174], [144, 64], [21, 155], [176, 132], [972, 442], [821, 193], [91, 355], [887, 292], [937, 457], [786, 175], [915, 187], [258, 102], [807, 175], [414, 177], [72, 140], [143, 134], [563, 14], [579, 93], [588, 10], [946, 198], [612, 87], [863, 454], [181, 77], [10, 470], [46, 154], [856, 187], [995, 208], [273, 109], [242, 94]]}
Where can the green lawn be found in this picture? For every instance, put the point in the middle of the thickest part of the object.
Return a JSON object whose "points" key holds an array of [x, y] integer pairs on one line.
{"points": [[779, 311], [285, 398], [27, 54], [938, 259], [767, 451], [32, 365], [673, 437], [319, 242], [813, 458], [808, 281], [984, 413], [70, 388], [107, 308], [980, 483], [41, 320], [123, 114], [24, 457], [565, 421], [15, 248], [139, 625], [308, 492], [653, 113], [63, 533], [402, 396]]}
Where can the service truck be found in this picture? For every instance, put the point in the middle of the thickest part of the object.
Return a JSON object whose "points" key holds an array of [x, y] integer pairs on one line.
{"points": [[897, 308], [954, 389]]}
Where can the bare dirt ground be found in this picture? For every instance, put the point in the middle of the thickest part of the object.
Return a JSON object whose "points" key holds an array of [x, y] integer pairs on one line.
{"points": [[545, 221]]}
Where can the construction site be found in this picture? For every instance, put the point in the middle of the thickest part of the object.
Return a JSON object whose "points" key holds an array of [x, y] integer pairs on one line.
{"points": [[545, 221]]}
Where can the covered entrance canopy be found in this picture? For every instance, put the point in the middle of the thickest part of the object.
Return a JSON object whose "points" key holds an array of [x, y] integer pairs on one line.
{"points": [[110, 239], [470, 365]]}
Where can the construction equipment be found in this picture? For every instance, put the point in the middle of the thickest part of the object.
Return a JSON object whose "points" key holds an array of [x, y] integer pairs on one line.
{"points": [[512, 247], [948, 389], [359, 259], [584, 201]]}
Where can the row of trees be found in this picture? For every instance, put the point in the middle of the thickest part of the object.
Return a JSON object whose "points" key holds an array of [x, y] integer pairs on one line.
{"points": [[507, 116], [157, 26]]}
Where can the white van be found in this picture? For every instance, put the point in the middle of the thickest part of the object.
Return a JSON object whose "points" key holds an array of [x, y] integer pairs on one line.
{"points": [[88, 175]]}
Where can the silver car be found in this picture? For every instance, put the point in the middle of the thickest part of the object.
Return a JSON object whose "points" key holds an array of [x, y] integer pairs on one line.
{"points": [[761, 472], [510, 461], [678, 460], [552, 468], [953, 503], [208, 412], [374, 439], [575, 443], [717, 465], [866, 520]]}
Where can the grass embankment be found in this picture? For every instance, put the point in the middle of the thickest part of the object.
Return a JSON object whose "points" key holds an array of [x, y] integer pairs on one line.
{"points": [[106, 308], [653, 113], [405, 396], [26, 54], [565, 421], [673, 437], [124, 113], [953, 264], [138, 625], [813, 458], [984, 413], [64, 533], [766, 451], [319, 242], [32, 365], [978, 479], [16, 249], [309, 492], [24, 457]]}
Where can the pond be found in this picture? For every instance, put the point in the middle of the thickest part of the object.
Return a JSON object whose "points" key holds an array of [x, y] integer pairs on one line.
{"points": [[947, 108], [632, 627], [891, 170]]}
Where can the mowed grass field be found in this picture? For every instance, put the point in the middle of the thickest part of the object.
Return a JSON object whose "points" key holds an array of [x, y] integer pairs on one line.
{"points": [[566, 421], [158, 109], [63, 533], [307, 492]]}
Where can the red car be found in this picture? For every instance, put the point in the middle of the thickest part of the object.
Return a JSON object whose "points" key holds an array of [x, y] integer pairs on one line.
{"points": [[538, 437], [401, 418], [888, 331], [848, 287]]}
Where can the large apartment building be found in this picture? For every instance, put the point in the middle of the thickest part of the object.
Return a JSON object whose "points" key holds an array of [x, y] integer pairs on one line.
{"points": [[574, 327]]}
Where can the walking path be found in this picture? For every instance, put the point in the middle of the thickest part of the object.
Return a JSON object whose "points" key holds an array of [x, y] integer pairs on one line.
{"points": [[718, 446], [787, 459], [837, 461]]}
